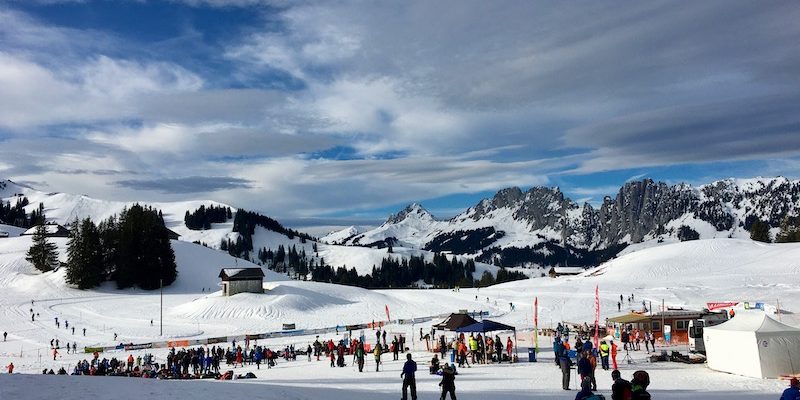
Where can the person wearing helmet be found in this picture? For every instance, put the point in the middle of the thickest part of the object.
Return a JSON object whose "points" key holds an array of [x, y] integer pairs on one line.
{"points": [[792, 392], [639, 384]]}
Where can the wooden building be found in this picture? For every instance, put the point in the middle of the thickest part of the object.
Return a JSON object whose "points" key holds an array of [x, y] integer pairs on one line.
{"points": [[241, 280]]}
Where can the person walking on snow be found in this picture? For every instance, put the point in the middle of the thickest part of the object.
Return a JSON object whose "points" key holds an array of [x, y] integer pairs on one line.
{"points": [[409, 381], [448, 383], [5, 334], [55, 353], [377, 354], [509, 348], [10, 368]]}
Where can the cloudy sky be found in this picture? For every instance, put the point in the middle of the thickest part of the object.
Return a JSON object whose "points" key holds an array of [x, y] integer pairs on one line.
{"points": [[349, 110]]}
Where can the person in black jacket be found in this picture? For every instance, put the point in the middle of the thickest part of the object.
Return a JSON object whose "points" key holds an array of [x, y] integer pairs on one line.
{"points": [[620, 389], [448, 382]]}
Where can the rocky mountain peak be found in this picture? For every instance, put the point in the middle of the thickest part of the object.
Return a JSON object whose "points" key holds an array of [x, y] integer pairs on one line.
{"points": [[413, 210]]}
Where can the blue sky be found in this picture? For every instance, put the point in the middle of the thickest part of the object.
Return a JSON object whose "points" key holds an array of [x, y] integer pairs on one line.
{"points": [[314, 111]]}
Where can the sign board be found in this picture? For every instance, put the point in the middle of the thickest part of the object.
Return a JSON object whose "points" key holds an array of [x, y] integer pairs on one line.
{"points": [[667, 333]]}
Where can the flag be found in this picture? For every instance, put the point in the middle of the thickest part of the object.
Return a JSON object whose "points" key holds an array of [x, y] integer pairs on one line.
{"points": [[597, 316], [536, 324], [387, 312]]}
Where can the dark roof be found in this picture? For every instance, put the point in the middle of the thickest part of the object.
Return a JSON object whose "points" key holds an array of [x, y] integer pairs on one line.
{"points": [[455, 321], [53, 230], [172, 234], [486, 326], [241, 274]]}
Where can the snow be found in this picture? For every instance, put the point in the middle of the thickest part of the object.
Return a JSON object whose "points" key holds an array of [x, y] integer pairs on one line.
{"points": [[687, 274], [683, 274], [10, 230]]}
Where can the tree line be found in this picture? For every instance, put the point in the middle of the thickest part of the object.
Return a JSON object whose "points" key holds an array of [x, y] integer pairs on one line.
{"points": [[131, 250], [411, 272], [203, 217], [15, 214], [789, 230]]}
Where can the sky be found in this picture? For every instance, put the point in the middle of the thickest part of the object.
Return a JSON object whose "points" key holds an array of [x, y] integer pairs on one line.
{"points": [[348, 110]]}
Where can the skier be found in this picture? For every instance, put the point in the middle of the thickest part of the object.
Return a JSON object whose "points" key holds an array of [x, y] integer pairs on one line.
{"points": [[448, 382], [73, 330], [639, 383], [66, 324], [409, 368], [509, 348], [619, 306], [115, 336], [620, 389], [5, 334], [55, 353], [308, 353], [791, 393], [84, 331], [10, 368]]}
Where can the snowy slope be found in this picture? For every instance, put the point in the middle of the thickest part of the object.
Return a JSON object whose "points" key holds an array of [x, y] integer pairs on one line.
{"points": [[683, 274], [65, 208]]}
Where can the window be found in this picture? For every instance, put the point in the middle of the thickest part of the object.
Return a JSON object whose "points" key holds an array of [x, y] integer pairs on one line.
{"points": [[656, 326], [682, 325]]}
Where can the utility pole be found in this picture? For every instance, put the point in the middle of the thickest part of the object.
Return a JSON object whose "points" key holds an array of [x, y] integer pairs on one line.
{"points": [[663, 311], [161, 309]]}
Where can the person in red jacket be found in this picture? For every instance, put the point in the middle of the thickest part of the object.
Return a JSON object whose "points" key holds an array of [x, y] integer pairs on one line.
{"points": [[10, 368], [614, 354], [509, 347], [55, 353]]}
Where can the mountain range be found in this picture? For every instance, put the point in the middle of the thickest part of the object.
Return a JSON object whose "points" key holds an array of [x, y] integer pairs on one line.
{"points": [[542, 226]]}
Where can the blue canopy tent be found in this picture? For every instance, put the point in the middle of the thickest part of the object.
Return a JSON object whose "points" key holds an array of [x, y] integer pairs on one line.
{"points": [[489, 326]]}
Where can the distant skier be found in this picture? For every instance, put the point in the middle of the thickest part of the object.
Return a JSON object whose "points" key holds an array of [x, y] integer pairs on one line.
{"points": [[55, 354], [10, 368], [5, 334], [84, 331]]}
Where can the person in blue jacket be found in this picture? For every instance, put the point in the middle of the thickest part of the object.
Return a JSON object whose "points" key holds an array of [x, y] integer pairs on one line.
{"points": [[586, 389], [792, 392], [557, 347], [409, 369]]}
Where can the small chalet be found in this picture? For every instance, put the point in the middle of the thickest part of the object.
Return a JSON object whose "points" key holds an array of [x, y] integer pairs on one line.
{"points": [[565, 271], [172, 234], [53, 230], [241, 280]]}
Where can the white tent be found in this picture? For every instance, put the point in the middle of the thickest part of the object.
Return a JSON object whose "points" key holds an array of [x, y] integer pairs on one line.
{"points": [[753, 344]]}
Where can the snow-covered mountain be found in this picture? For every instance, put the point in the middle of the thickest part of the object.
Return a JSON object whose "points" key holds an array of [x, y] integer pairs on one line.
{"points": [[64, 208], [542, 226]]}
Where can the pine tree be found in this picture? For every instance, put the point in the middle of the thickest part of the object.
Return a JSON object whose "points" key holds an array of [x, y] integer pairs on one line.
{"points": [[759, 232], [84, 256], [42, 254], [790, 230]]}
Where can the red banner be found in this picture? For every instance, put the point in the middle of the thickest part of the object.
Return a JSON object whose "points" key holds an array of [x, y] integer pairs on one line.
{"points": [[597, 316], [387, 312], [721, 304]]}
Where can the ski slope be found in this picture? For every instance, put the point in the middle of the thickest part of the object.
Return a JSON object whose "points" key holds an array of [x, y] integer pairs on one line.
{"points": [[683, 274]]}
